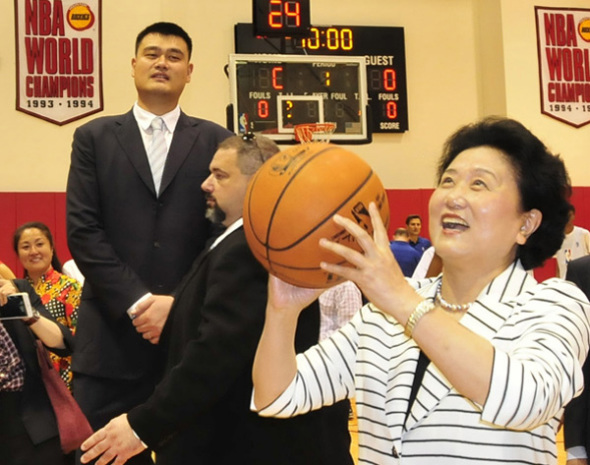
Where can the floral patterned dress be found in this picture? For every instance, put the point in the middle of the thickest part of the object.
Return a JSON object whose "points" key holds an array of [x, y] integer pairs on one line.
{"points": [[61, 296]]}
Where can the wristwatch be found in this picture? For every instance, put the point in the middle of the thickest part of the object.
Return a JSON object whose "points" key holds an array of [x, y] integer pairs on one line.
{"points": [[36, 316]]}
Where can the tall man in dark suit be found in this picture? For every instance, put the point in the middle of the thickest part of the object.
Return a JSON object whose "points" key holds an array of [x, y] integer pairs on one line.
{"points": [[577, 414], [200, 411], [133, 228]]}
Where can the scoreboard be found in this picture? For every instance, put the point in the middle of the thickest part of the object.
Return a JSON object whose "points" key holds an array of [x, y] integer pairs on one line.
{"points": [[382, 49], [272, 93]]}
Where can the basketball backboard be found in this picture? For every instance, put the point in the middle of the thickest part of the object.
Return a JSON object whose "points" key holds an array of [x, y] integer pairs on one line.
{"points": [[271, 94]]}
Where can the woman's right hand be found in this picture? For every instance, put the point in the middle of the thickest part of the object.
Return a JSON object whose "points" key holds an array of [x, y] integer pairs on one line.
{"points": [[6, 288], [285, 297]]}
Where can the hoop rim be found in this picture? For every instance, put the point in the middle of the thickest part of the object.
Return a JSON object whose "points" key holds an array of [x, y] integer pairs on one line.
{"points": [[304, 132]]}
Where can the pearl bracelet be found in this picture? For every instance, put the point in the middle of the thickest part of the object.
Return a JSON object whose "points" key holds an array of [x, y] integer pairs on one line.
{"points": [[421, 309]]}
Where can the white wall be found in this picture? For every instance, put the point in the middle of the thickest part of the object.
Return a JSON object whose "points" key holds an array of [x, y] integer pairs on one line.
{"points": [[465, 59], [522, 87]]}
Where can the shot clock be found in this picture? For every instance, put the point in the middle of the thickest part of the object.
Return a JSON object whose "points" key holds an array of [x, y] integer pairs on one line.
{"points": [[382, 49], [271, 93], [281, 18]]}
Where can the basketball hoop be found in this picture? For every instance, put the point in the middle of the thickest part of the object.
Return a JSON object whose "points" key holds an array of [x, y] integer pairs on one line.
{"points": [[319, 132]]}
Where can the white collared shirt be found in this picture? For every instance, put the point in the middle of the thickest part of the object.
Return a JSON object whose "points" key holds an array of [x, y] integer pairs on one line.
{"points": [[144, 119], [231, 228]]}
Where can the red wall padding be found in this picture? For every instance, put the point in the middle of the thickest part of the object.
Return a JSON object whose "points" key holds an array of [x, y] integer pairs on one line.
{"points": [[17, 208], [404, 202]]}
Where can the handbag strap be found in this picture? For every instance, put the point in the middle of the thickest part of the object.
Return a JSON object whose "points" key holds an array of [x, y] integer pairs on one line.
{"points": [[43, 356]]}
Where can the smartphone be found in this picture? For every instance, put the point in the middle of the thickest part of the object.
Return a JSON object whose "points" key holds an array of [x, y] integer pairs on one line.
{"points": [[17, 306]]}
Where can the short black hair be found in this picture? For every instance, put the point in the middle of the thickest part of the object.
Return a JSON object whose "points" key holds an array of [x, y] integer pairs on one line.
{"points": [[55, 262], [412, 217], [542, 179], [165, 29]]}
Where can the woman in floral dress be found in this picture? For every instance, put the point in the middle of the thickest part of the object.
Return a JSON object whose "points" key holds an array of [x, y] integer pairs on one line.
{"points": [[34, 246]]}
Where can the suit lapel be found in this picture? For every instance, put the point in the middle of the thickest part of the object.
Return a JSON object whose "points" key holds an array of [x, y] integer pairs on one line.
{"points": [[129, 137], [192, 271], [187, 281], [190, 276], [185, 136]]}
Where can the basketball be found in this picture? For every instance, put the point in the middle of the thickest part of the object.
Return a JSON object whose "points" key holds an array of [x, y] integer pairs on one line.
{"points": [[290, 203]]}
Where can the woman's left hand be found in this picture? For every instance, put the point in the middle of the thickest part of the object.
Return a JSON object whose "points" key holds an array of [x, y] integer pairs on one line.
{"points": [[6, 288], [375, 271]]}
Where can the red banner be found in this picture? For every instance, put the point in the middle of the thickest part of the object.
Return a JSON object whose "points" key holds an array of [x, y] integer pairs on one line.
{"points": [[563, 43], [59, 63]]}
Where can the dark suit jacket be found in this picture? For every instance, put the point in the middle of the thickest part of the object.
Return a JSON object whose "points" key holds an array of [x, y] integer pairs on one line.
{"points": [[577, 413], [200, 411], [126, 240], [36, 411]]}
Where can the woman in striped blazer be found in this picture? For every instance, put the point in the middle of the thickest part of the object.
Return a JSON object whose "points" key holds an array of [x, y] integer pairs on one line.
{"points": [[472, 366]]}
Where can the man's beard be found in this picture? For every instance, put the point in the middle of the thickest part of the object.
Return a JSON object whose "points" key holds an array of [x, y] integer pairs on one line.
{"points": [[215, 214]]}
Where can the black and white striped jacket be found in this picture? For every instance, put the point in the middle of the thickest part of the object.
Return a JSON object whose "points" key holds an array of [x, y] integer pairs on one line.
{"points": [[540, 332]]}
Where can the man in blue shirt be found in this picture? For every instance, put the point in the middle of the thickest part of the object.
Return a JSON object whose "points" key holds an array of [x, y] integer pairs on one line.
{"points": [[414, 226], [407, 256]]}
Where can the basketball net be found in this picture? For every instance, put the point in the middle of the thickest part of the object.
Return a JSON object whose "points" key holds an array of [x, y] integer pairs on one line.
{"points": [[318, 132]]}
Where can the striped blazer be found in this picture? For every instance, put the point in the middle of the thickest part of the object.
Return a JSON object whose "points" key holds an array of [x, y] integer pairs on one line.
{"points": [[540, 333]]}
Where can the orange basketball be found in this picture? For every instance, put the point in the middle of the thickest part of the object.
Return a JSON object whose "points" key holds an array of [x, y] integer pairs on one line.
{"points": [[290, 203]]}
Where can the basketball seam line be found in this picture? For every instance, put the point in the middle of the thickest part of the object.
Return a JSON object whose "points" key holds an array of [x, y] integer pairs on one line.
{"points": [[321, 223]]}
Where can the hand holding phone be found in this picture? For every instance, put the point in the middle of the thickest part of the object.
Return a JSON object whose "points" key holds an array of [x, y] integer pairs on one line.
{"points": [[17, 306], [7, 288]]}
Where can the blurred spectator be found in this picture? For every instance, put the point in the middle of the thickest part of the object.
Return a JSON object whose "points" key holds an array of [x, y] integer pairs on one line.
{"points": [[576, 419], [28, 428], [576, 244], [414, 226], [338, 304], [60, 294], [71, 269], [406, 256], [430, 265]]}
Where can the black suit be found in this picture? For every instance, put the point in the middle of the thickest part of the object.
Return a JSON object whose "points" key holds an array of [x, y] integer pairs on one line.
{"points": [[200, 413], [577, 413], [127, 242], [34, 410]]}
